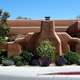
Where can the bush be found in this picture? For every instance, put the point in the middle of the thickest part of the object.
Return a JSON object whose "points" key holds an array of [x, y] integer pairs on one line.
{"points": [[2, 40], [60, 61], [3, 55], [7, 62], [78, 62], [45, 48], [18, 60], [27, 56], [4, 29], [23, 59], [71, 57]]}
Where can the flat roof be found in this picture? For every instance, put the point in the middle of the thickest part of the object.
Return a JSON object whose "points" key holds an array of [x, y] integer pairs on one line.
{"points": [[30, 23]]}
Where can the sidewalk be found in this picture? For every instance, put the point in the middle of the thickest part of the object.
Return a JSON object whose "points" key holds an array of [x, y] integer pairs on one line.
{"points": [[38, 73]]}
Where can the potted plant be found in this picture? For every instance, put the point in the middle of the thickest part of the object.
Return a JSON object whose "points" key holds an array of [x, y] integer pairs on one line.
{"points": [[60, 61]]}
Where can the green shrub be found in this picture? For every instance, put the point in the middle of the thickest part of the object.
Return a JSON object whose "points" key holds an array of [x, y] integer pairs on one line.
{"points": [[45, 48], [18, 61], [3, 55], [4, 29], [7, 62], [2, 40], [71, 57], [27, 56]]}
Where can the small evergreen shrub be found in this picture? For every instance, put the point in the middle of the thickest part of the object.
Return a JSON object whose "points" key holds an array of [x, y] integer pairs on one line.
{"points": [[27, 56], [45, 48], [7, 62], [71, 57], [78, 62], [3, 55], [18, 61]]}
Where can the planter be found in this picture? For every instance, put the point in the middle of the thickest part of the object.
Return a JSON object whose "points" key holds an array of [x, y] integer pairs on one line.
{"points": [[45, 61], [60, 61]]}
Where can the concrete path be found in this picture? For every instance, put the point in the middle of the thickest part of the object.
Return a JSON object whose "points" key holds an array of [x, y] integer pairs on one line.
{"points": [[38, 73]]}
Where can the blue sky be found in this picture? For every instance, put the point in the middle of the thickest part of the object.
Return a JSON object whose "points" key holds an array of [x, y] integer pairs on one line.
{"points": [[37, 9]]}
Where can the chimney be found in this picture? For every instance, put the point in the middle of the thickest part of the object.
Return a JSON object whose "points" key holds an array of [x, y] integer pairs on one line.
{"points": [[47, 25], [47, 17]]}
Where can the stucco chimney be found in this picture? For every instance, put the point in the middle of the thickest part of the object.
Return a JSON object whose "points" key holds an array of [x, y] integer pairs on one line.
{"points": [[47, 17]]}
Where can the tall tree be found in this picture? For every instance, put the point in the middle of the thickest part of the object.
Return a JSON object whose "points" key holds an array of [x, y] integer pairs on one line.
{"points": [[4, 29]]}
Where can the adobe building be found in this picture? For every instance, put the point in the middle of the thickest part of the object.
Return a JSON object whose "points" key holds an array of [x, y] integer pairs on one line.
{"points": [[20, 28], [28, 26], [24, 33]]}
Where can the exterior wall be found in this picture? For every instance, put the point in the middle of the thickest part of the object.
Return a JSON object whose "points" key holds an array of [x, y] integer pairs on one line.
{"points": [[25, 23], [24, 27], [25, 30], [74, 29]]}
